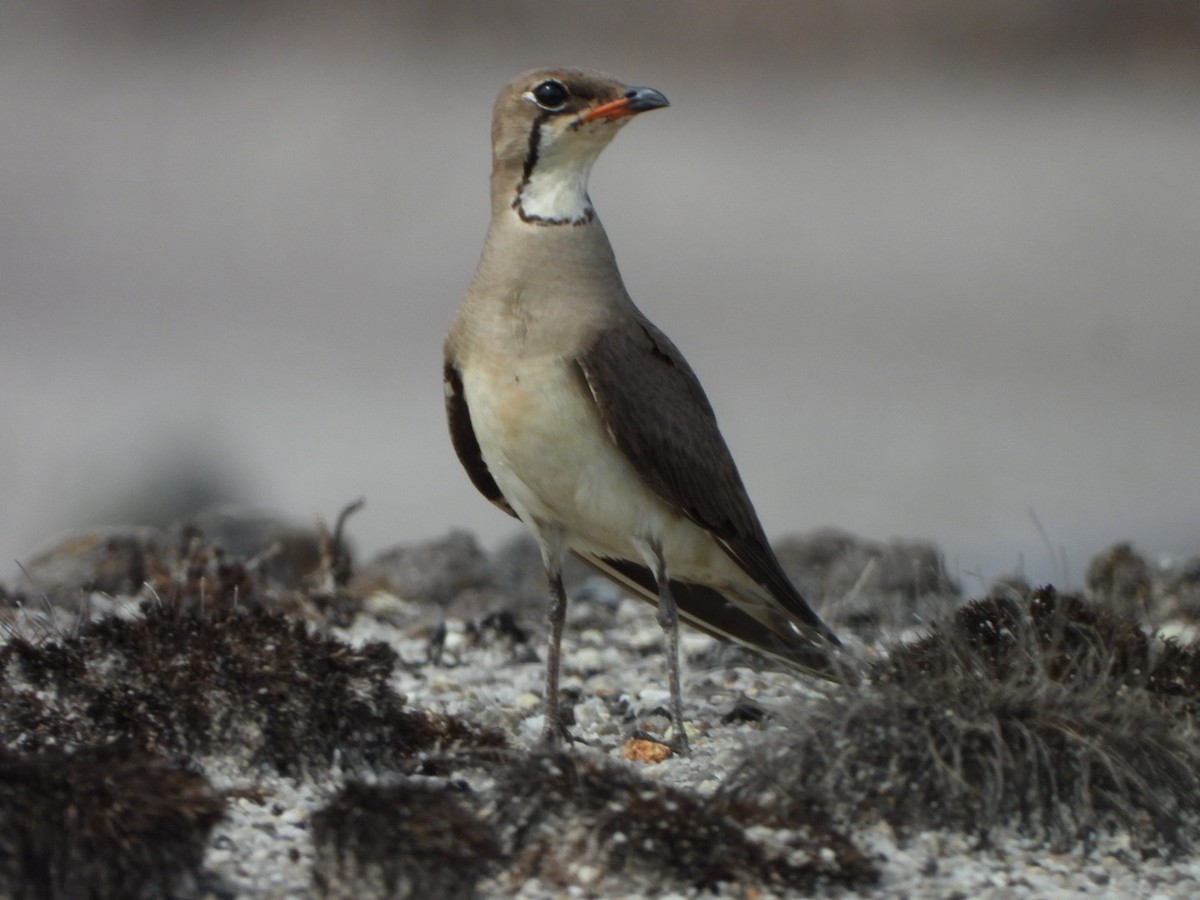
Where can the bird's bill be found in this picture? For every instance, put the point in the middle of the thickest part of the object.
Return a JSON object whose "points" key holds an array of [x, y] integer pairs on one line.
{"points": [[636, 100]]}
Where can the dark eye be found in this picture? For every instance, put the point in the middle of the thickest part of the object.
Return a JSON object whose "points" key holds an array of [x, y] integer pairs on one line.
{"points": [[550, 94]]}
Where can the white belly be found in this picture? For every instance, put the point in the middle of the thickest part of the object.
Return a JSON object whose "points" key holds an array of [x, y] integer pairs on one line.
{"points": [[555, 463]]}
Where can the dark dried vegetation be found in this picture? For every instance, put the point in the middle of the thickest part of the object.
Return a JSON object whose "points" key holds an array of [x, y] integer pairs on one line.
{"points": [[402, 840], [1053, 716], [572, 821], [564, 813], [98, 823], [211, 665], [254, 684]]}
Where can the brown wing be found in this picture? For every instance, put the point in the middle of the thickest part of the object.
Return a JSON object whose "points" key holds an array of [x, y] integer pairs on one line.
{"points": [[462, 435], [657, 412]]}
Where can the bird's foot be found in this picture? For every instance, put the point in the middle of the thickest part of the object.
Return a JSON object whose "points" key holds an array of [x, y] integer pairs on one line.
{"points": [[679, 741], [554, 737]]}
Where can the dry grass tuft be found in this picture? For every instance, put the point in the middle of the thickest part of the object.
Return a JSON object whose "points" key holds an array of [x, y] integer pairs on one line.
{"points": [[100, 823], [574, 820], [402, 840], [254, 684], [1049, 717]]}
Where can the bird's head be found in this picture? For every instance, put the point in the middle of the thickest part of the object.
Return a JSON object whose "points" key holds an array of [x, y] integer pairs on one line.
{"points": [[548, 127]]}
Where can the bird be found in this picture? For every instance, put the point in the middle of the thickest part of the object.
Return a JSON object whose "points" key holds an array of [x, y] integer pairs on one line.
{"points": [[575, 414]]}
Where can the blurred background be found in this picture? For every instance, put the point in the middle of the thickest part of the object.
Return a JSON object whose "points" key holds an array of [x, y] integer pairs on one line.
{"points": [[937, 262]]}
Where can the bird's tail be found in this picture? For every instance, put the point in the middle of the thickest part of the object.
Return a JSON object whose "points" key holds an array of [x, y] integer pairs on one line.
{"points": [[745, 621]]}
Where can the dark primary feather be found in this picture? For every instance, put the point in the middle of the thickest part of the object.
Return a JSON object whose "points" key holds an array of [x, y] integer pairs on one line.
{"points": [[466, 445], [657, 412], [713, 613]]}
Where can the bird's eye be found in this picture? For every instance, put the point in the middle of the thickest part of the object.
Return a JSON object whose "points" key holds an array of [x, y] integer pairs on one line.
{"points": [[550, 95]]}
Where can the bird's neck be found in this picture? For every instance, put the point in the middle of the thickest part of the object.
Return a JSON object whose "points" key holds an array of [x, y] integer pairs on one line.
{"points": [[549, 188], [552, 196], [537, 258], [543, 286]]}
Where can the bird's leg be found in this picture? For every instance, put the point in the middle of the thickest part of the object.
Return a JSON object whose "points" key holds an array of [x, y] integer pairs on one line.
{"points": [[552, 730], [668, 620]]}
